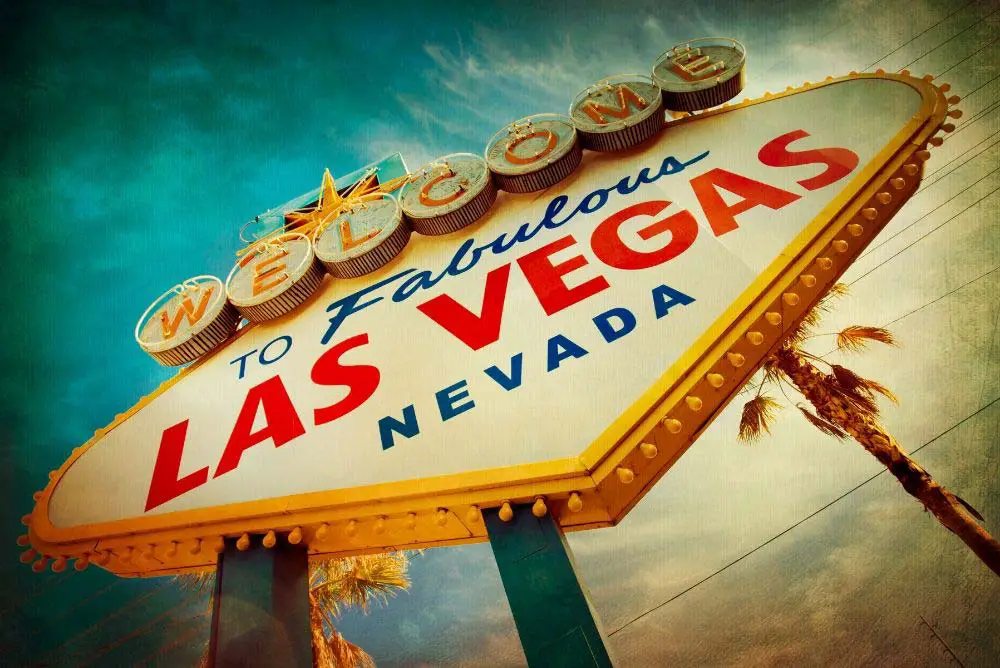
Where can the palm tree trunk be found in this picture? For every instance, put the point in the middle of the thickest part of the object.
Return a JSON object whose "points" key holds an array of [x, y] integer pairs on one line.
{"points": [[322, 655], [947, 508]]}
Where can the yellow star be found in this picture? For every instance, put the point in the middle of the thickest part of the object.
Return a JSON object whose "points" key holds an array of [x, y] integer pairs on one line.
{"points": [[329, 205], [309, 218]]}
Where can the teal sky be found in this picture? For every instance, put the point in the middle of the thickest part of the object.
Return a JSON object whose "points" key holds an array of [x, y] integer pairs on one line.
{"points": [[138, 137]]}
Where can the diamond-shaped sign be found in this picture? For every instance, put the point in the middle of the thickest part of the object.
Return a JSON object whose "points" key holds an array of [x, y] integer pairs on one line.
{"points": [[571, 344]]}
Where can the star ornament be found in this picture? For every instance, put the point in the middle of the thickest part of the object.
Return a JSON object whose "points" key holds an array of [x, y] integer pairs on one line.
{"points": [[330, 203]]}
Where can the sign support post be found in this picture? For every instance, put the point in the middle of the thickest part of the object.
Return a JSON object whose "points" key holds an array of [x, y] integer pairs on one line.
{"points": [[260, 611], [554, 618]]}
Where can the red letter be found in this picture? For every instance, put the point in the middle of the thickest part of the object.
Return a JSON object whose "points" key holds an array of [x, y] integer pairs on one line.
{"points": [[546, 280], [721, 216], [165, 484], [609, 248], [283, 422], [473, 330], [361, 380], [839, 161]]}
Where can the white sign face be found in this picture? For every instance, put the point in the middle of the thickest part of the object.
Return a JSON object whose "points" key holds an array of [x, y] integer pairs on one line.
{"points": [[528, 338]]}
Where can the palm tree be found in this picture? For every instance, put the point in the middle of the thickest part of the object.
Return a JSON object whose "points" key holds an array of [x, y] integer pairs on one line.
{"points": [[334, 585], [845, 404], [349, 582]]}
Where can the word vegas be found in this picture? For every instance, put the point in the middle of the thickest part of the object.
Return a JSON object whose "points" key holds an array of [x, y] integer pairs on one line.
{"points": [[283, 423]]}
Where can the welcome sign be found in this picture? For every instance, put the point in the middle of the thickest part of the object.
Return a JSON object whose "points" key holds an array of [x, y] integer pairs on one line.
{"points": [[565, 349]]}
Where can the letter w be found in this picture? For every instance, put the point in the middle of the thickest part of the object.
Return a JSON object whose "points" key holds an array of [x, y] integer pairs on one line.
{"points": [[185, 309], [475, 331]]}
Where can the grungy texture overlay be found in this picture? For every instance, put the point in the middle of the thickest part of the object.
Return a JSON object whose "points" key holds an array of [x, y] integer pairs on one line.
{"points": [[137, 139]]}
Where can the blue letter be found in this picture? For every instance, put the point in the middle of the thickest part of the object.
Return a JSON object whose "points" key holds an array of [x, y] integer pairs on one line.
{"points": [[349, 304], [568, 349], [608, 331], [288, 346], [555, 206], [408, 427], [449, 397], [503, 380], [665, 297], [243, 361]]}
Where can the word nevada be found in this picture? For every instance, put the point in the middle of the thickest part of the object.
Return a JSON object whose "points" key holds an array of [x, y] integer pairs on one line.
{"points": [[594, 272]]}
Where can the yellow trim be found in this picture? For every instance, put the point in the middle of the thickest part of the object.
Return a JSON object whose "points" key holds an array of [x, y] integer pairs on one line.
{"points": [[606, 497]]}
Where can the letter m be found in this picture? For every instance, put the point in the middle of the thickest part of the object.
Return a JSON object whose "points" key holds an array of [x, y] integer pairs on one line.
{"points": [[627, 99]]}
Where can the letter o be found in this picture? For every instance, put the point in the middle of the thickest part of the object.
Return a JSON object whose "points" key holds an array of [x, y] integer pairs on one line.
{"points": [[288, 346]]}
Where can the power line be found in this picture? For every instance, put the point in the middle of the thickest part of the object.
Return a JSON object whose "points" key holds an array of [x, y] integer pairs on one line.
{"points": [[918, 35], [981, 86], [978, 116], [919, 308], [953, 37], [964, 162], [101, 651], [883, 242], [983, 48], [920, 238], [941, 640], [103, 620], [937, 299], [797, 524]]}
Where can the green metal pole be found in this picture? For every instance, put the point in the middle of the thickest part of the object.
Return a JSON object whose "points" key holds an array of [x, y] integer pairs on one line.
{"points": [[555, 621], [260, 614]]}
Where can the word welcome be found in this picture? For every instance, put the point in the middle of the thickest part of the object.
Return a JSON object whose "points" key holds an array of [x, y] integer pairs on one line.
{"points": [[547, 279]]}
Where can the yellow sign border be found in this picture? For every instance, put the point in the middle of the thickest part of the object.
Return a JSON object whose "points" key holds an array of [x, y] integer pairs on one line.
{"points": [[596, 489]]}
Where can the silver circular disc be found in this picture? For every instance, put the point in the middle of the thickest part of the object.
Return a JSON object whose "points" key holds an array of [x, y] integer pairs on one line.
{"points": [[530, 144], [448, 194], [700, 73], [618, 112], [363, 237], [274, 277], [187, 321]]}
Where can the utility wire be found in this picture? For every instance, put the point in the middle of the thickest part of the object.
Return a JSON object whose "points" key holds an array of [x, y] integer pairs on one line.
{"points": [[953, 37], [883, 242], [118, 642], [919, 308], [103, 620], [937, 299], [917, 36], [951, 428], [978, 116], [921, 237], [797, 524], [974, 53], [981, 86], [940, 176]]}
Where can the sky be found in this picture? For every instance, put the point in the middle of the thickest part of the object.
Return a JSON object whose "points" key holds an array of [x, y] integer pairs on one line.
{"points": [[138, 137]]}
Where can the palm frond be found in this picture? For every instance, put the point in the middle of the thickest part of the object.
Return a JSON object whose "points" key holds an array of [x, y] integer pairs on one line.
{"points": [[811, 318], [972, 511], [836, 291], [203, 581], [772, 371], [358, 581], [346, 654], [824, 426], [854, 384], [861, 403], [875, 386], [848, 380], [758, 413], [856, 337]]}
